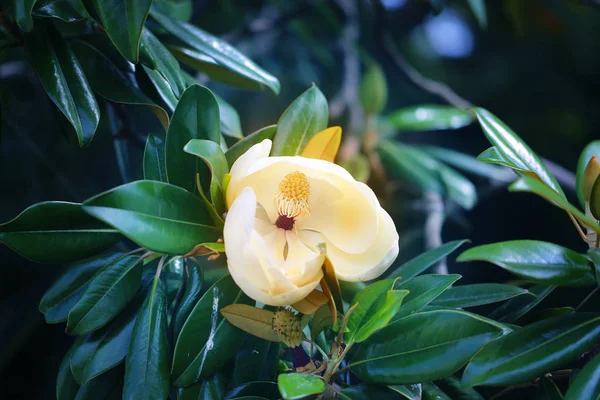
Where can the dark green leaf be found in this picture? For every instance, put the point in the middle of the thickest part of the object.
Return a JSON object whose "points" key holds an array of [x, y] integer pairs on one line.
{"points": [[478, 294], [515, 308], [193, 292], [196, 117], [303, 119], [365, 299], [426, 173], [223, 53], [108, 386], [547, 390], [178, 9], [23, 14], [161, 217], [230, 120], [211, 153], [123, 21], [154, 159], [493, 156], [468, 163], [539, 262], [157, 57], [532, 185], [429, 117], [592, 149], [56, 232], [431, 391], [533, 350], [423, 346], [422, 291], [66, 385], [373, 89], [207, 340], [368, 392], [422, 262], [258, 388], [109, 81], [106, 295], [380, 314], [452, 386], [297, 386], [410, 392], [256, 360], [594, 255], [64, 81], [513, 149], [586, 385], [243, 145], [68, 288], [60, 9], [149, 356]]}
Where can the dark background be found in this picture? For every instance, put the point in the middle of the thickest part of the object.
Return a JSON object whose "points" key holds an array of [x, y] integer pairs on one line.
{"points": [[536, 66]]}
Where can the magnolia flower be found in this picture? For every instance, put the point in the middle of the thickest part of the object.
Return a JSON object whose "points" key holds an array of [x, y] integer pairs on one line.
{"points": [[286, 214]]}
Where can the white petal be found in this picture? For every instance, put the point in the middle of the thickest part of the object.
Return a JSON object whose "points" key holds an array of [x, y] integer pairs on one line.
{"points": [[239, 169], [301, 263], [365, 266]]}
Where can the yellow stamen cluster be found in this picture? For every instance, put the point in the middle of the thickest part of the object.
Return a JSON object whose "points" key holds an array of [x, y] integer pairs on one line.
{"points": [[287, 325], [292, 195]]}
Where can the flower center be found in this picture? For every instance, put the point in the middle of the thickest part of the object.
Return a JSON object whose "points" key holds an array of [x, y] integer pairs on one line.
{"points": [[291, 199]]}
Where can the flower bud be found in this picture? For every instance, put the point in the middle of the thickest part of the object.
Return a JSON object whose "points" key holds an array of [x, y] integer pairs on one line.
{"points": [[590, 175], [287, 326]]}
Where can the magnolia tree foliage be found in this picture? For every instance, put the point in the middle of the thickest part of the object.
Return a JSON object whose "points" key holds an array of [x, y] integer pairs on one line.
{"points": [[262, 265]]}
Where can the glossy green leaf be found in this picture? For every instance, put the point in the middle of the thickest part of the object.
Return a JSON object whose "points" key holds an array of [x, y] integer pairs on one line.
{"points": [[256, 360], [99, 351], [23, 14], [452, 386], [367, 392], [594, 255], [423, 290], [431, 391], [539, 262], [547, 390], [478, 294], [550, 312], [380, 314], [162, 87], [68, 288], [429, 117], [154, 159], [304, 118], [123, 21], [243, 145], [422, 347], [586, 385], [532, 350], [513, 149], [207, 340], [468, 163], [157, 57], [297, 386], [106, 296], [108, 386], [196, 117], [527, 184], [366, 299], [56, 232], [410, 392], [60, 9], [222, 52], [423, 261], [64, 81], [191, 295], [515, 308], [178, 9], [158, 216], [210, 388], [110, 81], [211, 153], [373, 89], [230, 119], [258, 388], [149, 356], [493, 156], [479, 10], [66, 385], [426, 173], [592, 149]]}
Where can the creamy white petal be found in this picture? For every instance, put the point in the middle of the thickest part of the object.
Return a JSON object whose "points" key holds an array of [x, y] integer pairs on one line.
{"points": [[241, 166], [367, 265], [301, 263]]}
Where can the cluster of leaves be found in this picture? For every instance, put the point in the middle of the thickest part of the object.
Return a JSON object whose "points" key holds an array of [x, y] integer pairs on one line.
{"points": [[162, 321]]}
